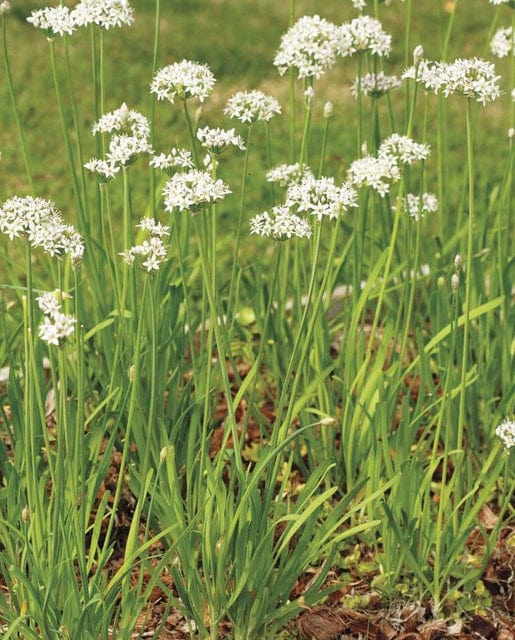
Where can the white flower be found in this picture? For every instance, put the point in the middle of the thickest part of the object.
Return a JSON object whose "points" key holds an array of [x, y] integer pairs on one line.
{"points": [[321, 198], [472, 78], [403, 149], [176, 159], [426, 73], [286, 174], [104, 13], [252, 106], [5, 7], [130, 131], [193, 191], [364, 34], [105, 169], [151, 253], [56, 328], [469, 77], [418, 205], [503, 43], [123, 121], [310, 46], [506, 432], [510, 2], [153, 227], [281, 224], [124, 150], [50, 302], [376, 173], [41, 222], [57, 238], [217, 140], [183, 80], [54, 20], [375, 85]]}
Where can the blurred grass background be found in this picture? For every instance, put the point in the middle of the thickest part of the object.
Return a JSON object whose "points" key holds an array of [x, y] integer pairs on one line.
{"points": [[237, 39]]}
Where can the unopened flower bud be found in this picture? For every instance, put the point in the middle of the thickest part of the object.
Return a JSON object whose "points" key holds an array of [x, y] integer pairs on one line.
{"points": [[25, 514], [441, 282], [327, 421], [418, 54], [511, 133], [458, 262], [364, 149], [132, 372], [455, 282], [309, 96], [163, 453], [328, 109]]}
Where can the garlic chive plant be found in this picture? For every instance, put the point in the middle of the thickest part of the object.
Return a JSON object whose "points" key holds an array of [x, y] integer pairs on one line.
{"points": [[254, 331]]}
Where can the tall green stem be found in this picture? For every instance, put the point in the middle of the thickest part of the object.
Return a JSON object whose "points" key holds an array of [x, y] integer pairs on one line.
{"points": [[237, 241], [468, 276], [157, 23]]}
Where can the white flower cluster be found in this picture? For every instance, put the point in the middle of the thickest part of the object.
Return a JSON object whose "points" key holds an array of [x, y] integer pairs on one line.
{"points": [[287, 174], [43, 225], [416, 206], [281, 224], [216, 140], [104, 13], [60, 20], [193, 190], [375, 85], [310, 46], [130, 131], [123, 149], [171, 162], [252, 106], [54, 20], [510, 2], [5, 7], [313, 44], [375, 172], [364, 33], [506, 432], [183, 80], [503, 43], [56, 326], [321, 197], [472, 78], [379, 171], [152, 251], [123, 121], [403, 149]]}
